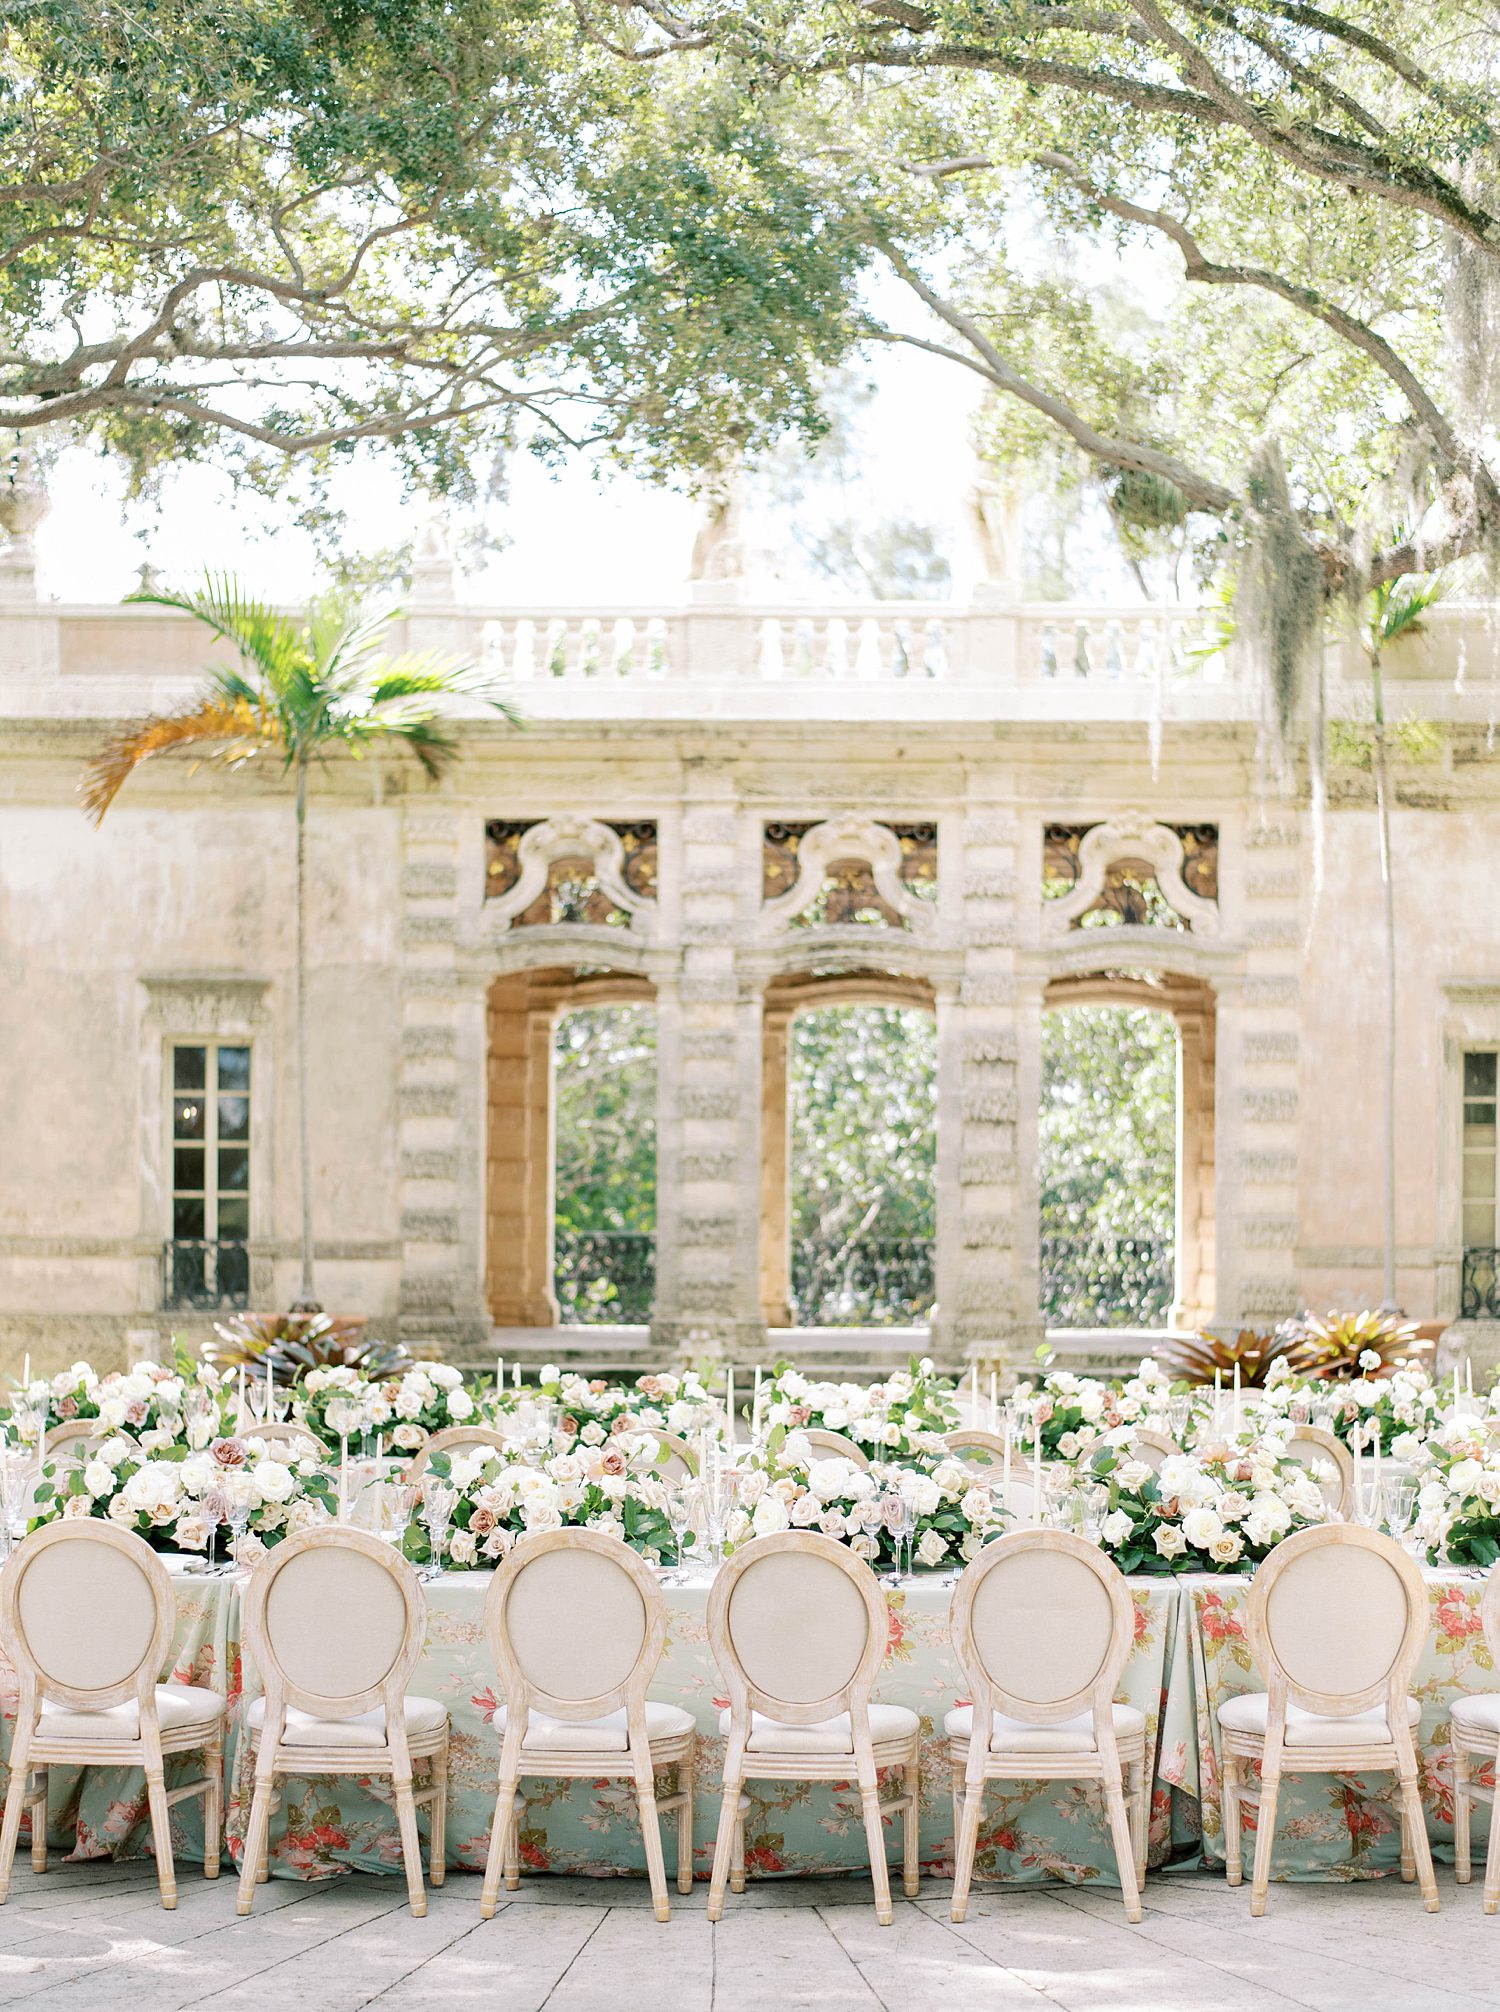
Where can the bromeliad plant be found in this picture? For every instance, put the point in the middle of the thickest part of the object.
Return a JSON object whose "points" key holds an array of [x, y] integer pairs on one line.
{"points": [[290, 1344]]}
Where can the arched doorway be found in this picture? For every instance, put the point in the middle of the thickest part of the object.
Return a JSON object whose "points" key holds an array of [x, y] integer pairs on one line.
{"points": [[1128, 1167], [523, 1011], [849, 1088]]}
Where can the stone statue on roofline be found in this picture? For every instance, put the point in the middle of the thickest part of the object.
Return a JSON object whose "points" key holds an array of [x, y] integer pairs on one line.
{"points": [[992, 513], [719, 543]]}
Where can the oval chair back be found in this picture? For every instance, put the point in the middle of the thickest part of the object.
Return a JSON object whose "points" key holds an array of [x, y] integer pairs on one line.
{"points": [[1310, 1446], [977, 1449], [335, 1621], [86, 1616], [452, 1439], [1152, 1445], [1336, 1620], [674, 1459], [833, 1445], [289, 1439], [72, 1443], [576, 1623], [1042, 1626], [798, 1627]]}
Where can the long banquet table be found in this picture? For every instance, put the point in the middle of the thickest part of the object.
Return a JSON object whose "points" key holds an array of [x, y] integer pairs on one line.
{"points": [[1190, 1654]]}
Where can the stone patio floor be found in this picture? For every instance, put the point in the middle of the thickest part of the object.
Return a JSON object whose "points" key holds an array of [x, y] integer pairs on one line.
{"points": [[92, 1938]]}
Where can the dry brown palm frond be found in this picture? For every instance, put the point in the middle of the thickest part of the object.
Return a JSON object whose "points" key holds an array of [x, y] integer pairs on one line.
{"points": [[235, 725]]}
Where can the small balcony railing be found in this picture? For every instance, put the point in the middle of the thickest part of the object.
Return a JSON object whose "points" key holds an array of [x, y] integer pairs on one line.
{"points": [[1107, 1281], [206, 1277], [1479, 1294], [604, 1277]]}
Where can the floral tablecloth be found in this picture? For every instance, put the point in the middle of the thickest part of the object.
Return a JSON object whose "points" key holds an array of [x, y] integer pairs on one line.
{"points": [[1189, 1655]]}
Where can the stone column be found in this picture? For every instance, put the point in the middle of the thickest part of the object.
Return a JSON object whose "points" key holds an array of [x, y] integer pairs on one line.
{"points": [[519, 1153], [775, 1168], [438, 1102], [708, 1289], [1258, 1018], [1194, 1304], [990, 1291]]}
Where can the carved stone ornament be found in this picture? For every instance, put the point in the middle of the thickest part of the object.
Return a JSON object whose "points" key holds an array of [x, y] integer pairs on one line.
{"points": [[1131, 836], [568, 837], [850, 836]]}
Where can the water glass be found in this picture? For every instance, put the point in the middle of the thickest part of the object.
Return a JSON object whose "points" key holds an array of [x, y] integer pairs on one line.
{"points": [[1399, 1504]]}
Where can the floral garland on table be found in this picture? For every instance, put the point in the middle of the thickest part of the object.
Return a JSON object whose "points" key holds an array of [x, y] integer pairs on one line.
{"points": [[610, 1488], [341, 1405], [1221, 1509], [1400, 1410], [177, 1498], [428, 1398], [590, 1410], [72, 1393], [956, 1512], [1073, 1413], [1458, 1494], [903, 1419]]}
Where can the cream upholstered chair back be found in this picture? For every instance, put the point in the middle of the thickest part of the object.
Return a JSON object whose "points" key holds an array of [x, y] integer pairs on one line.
{"points": [[798, 1626], [86, 1614], [287, 1439], [979, 1449], [830, 1445], [674, 1459], [1153, 1446], [1337, 1618], [334, 1621], [1042, 1624], [455, 1439], [576, 1623], [1311, 1447]]}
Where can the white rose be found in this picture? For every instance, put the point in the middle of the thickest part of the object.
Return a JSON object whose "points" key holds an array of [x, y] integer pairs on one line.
{"points": [[1069, 1445], [273, 1480], [1169, 1541], [1133, 1474], [933, 1548], [830, 1478], [191, 1533], [891, 1434], [1091, 1404], [806, 1511], [541, 1514], [922, 1492], [462, 1547], [460, 1405], [593, 1433], [770, 1516], [1202, 1528], [1116, 1527], [977, 1506], [120, 1511], [75, 1506], [1463, 1476], [832, 1522], [98, 1477], [1226, 1549]]}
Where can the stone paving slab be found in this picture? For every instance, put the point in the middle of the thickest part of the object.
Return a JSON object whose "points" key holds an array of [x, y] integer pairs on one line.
{"points": [[92, 1938]]}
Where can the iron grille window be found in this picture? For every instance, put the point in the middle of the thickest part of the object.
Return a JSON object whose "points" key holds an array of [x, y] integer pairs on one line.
{"points": [[1480, 1290], [207, 1258]]}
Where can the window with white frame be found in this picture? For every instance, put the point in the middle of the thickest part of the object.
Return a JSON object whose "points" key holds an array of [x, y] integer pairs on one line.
{"points": [[1481, 1190], [208, 1257]]}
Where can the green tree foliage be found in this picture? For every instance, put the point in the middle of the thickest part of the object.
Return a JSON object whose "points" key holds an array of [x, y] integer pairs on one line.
{"points": [[285, 227], [863, 1118], [1109, 1158], [604, 1105]]}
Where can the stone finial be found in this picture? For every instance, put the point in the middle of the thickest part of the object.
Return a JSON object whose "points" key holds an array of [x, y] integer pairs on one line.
{"points": [[23, 505], [719, 545], [434, 574]]}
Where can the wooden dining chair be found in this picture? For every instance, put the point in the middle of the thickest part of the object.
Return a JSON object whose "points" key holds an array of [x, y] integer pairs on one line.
{"points": [[74, 1440], [976, 1448], [1043, 1625], [455, 1439], [1336, 1620], [288, 1439], [829, 1445], [798, 1628], [1329, 1461], [576, 1623], [87, 1615], [334, 1621], [1474, 1731]]}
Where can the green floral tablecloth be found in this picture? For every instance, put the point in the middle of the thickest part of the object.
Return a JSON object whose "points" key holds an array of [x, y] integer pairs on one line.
{"points": [[1189, 1655]]}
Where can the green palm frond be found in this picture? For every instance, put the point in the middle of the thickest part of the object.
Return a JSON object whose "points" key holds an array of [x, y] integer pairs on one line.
{"points": [[263, 637]]}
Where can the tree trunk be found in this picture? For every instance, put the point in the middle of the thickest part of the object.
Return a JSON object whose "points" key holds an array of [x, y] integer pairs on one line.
{"points": [[307, 1299], [1388, 913]]}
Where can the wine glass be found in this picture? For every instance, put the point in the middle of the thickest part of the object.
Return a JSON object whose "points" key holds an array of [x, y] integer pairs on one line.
{"points": [[238, 1503], [1399, 1502], [1093, 1507], [680, 1516], [394, 1503], [438, 1501]]}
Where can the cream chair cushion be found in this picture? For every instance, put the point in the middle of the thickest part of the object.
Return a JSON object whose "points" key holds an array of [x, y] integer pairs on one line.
{"points": [[177, 1706], [887, 1722], [1247, 1714], [1478, 1714], [606, 1735], [1062, 1736], [365, 1729]]}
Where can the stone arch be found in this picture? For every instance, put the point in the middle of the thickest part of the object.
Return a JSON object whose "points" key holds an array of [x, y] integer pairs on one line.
{"points": [[786, 995], [1192, 1002], [522, 1006]]}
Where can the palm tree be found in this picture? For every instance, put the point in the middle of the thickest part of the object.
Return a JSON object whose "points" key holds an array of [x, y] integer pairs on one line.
{"points": [[1392, 609], [303, 694]]}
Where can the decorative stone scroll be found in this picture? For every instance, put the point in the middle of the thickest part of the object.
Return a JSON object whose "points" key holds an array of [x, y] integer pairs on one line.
{"points": [[1133, 870], [855, 871], [571, 870]]}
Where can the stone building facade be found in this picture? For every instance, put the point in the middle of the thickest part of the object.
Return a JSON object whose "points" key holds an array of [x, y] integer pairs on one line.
{"points": [[731, 811]]}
